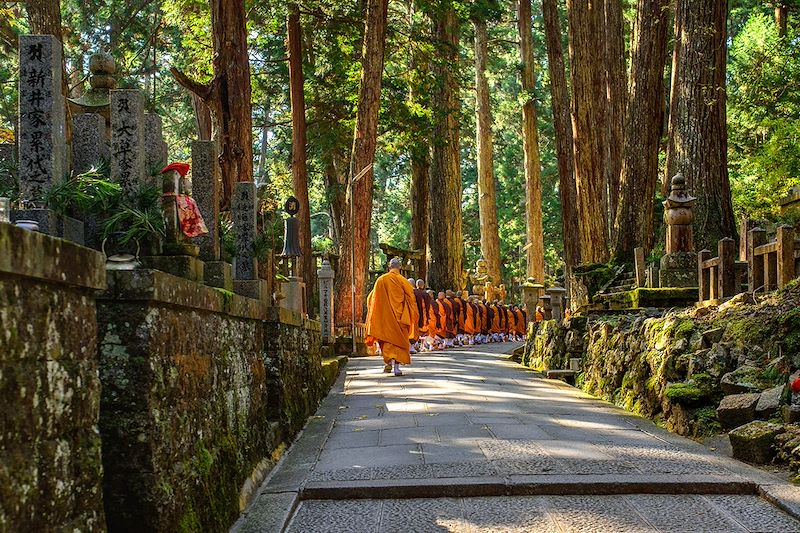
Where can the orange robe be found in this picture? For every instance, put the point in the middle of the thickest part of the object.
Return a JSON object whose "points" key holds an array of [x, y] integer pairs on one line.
{"points": [[469, 322], [484, 318], [433, 319], [391, 315], [424, 310], [520, 329], [495, 327], [512, 321], [447, 319]]}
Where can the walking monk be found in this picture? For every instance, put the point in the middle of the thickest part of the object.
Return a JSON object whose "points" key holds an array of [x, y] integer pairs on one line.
{"points": [[423, 310], [391, 315]]}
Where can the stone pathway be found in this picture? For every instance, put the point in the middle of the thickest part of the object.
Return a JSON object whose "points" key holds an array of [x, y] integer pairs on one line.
{"points": [[469, 441]]}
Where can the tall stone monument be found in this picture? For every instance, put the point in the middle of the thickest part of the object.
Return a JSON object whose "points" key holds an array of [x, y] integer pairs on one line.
{"points": [[41, 117], [679, 265], [245, 265], [42, 160], [325, 276], [127, 139], [206, 192], [89, 144], [155, 149]]}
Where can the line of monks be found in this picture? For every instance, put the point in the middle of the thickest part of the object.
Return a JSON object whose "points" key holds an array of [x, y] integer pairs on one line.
{"points": [[403, 318], [458, 319]]}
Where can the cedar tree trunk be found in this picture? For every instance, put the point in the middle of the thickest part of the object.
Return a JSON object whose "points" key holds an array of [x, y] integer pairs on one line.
{"points": [[639, 176], [487, 198], [586, 20], [445, 237], [228, 94], [563, 132], [356, 232], [617, 97], [698, 140]]}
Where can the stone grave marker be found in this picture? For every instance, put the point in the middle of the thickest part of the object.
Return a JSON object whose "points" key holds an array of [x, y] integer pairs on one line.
{"points": [[206, 192], [89, 146], [156, 152], [245, 264], [127, 138], [41, 116]]}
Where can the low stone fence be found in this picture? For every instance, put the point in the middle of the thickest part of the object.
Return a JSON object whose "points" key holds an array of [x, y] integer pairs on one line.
{"points": [[50, 468], [187, 390]]}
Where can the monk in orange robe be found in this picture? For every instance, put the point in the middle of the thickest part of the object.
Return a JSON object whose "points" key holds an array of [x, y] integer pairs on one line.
{"points": [[511, 320], [469, 320], [391, 315], [446, 314], [424, 310], [495, 328]]}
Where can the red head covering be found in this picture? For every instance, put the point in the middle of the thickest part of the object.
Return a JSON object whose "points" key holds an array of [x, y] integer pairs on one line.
{"points": [[180, 168]]}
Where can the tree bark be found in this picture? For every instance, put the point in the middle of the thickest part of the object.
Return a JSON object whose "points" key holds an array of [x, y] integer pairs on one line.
{"points": [[263, 172], [445, 237], [487, 197], [781, 18], [639, 175], [299, 172], [563, 133], [698, 140], [228, 94], [586, 20], [616, 81], [420, 203], [356, 234], [202, 117]]}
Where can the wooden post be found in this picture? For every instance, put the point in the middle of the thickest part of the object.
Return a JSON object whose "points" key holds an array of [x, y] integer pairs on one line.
{"points": [[703, 276], [726, 275], [755, 272], [785, 239]]}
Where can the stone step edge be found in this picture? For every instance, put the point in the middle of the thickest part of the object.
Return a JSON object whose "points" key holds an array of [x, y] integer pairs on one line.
{"points": [[464, 488]]}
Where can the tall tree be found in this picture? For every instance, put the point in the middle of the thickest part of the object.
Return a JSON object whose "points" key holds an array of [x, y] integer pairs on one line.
{"points": [[228, 94], [420, 154], [487, 198], [563, 133], [633, 225], [782, 16], [445, 237], [355, 238], [589, 99], [299, 173], [530, 147], [698, 140], [616, 81]]}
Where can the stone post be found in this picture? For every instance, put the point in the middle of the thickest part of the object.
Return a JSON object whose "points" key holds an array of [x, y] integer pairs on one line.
{"points": [[726, 274], [89, 146], [245, 264], [557, 294], [679, 264], [638, 256], [41, 117], [755, 272], [786, 270], [548, 307], [325, 276], [127, 138], [531, 293]]}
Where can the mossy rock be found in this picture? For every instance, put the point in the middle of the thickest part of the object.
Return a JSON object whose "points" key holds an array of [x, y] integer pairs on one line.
{"points": [[754, 442], [687, 394]]}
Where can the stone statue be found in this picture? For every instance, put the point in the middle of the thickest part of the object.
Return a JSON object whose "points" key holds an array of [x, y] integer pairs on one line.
{"points": [[480, 276], [488, 291], [500, 293]]}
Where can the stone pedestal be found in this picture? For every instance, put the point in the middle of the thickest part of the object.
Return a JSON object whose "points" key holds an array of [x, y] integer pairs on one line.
{"points": [[557, 294], [183, 266], [52, 223], [252, 288], [218, 274], [531, 292], [294, 292], [678, 269]]}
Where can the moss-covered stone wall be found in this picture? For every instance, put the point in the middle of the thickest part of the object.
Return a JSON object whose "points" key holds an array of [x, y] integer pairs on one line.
{"points": [[199, 387], [676, 368], [50, 468]]}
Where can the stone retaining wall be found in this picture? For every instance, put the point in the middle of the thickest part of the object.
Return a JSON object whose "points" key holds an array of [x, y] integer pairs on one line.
{"points": [[199, 387], [50, 468]]}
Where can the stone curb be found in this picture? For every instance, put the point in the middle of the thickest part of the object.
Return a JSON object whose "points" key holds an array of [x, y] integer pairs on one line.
{"points": [[541, 486]]}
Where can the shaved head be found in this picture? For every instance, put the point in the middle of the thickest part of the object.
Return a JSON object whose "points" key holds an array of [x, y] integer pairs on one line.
{"points": [[420, 283], [441, 294], [411, 281]]}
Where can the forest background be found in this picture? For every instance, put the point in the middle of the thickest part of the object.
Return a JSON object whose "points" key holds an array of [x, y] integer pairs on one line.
{"points": [[148, 37]]}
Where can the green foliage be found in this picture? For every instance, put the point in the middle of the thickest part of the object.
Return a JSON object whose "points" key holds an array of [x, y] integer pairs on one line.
{"points": [[763, 116]]}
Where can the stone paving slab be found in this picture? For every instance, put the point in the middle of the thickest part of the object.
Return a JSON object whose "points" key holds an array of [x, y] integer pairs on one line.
{"points": [[600, 514], [463, 424]]}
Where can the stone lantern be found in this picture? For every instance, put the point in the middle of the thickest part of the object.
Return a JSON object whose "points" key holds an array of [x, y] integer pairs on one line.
{"points": [[531, 294], [294, 290], [678, 266], [557, 296]]}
